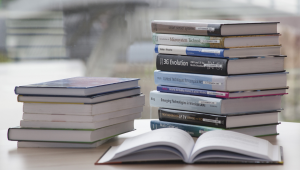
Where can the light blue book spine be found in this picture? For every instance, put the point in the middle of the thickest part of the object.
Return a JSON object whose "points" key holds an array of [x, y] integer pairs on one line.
{"points": [[193, 130], [197, 81], [185, 102], [193, 51]]}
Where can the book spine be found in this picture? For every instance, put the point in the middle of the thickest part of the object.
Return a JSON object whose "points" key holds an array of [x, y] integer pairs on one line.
{"points": [[188, 40], [196, 92], [186, 28], [193, 51], [194, 118], [185, 102], [188, 64], [189, 80], [193, 130]]}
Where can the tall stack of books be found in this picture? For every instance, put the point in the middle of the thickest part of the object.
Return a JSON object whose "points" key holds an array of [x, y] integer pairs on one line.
{"points": [[215, 75], [77, 112]]}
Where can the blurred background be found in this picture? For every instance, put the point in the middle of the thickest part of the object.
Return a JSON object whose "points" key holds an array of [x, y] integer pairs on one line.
{"points": [[44, 40]]}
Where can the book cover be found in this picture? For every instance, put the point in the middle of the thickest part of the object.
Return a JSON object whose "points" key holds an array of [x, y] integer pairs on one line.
{"points": [[192, 51], [195, 118], [198, 27], [198, 81], [189, 64], [197, 92], [80, 82], [205, 41], [196, 130]]}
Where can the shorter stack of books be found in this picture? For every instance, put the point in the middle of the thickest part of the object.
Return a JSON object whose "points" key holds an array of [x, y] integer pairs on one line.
{"points": [[77, 112], [218, 74]]}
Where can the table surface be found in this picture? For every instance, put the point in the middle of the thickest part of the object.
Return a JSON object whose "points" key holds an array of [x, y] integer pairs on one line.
{"points": [[12, 157]]}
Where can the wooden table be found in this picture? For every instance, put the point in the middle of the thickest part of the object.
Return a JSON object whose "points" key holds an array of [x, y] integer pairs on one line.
{"points": [[12, 157]]}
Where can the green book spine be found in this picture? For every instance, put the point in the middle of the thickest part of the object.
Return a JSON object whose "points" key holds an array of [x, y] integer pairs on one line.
{"points": [[188, 40]]}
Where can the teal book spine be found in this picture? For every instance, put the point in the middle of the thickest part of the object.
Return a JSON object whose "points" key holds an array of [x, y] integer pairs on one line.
{"points": [[193, 130], [188, 40], [185, 102]]}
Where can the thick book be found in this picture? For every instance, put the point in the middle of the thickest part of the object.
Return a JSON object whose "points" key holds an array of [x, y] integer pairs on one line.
{"points": [[80, 118], [218, 52], [85, 109], [217, 42], [68, 135], [196, 130], [214, 105], [78, 125], [174, 145], [80, 99], [222, 83], [213, 27], [78, 86], [222, 94], [25, 144], [220, 121], [219, 66]]}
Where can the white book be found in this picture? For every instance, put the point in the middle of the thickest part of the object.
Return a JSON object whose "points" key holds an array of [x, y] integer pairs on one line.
{"points": [[80, 118], [23, 144], [68, 135], [78, 125], [176, 145], [85, 109]]}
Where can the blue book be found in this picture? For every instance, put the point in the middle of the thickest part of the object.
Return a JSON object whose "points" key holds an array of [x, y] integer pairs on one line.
{"points": [[217, 52], [214, 105], [197, 92], [78, 86], [222, 83], [196, 130]]}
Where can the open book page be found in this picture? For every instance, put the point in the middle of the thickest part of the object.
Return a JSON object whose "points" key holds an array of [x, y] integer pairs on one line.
{"points": [[234, 142], [175, 138]]}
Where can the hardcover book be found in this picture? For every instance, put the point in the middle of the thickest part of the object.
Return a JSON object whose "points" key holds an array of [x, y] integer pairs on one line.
{"points": [[80, 118], [220, 121], [85, 109], [174, 145], [78, 86], [222, 83], [214, 105], [218, 52], [213, 27], [80, 99], [216, 42], [219, 66], [68, 135], [196, 130], [79, 125], [221, 94]]}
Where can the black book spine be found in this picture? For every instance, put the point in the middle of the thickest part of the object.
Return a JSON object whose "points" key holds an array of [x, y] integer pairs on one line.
{"points": [[189, 64], [194, 118]]}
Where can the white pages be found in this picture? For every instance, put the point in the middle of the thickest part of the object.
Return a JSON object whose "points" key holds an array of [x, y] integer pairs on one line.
{"points": [[171, 144]]}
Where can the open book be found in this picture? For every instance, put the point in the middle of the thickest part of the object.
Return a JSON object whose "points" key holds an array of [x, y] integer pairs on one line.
{"points": [[171, 144]]}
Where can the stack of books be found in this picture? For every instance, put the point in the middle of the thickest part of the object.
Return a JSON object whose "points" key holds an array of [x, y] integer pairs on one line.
{"points": [[77, 112], [215, 75]]}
